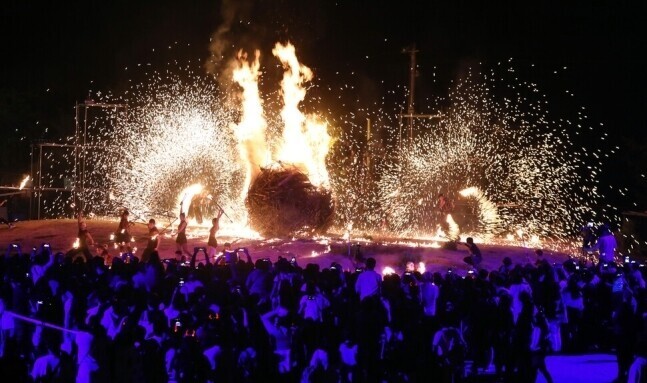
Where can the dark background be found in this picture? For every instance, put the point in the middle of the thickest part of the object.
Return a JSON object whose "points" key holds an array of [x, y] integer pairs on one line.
{"points": [[55, 52]]}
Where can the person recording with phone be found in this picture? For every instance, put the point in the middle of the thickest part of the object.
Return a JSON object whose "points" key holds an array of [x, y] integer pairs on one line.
{"points": [[42, 261], [194, 256]]}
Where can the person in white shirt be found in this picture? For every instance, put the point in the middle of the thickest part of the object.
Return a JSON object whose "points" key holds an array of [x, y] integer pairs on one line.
{"points": [[368, 282], [606, 245], [312, 305], [428, 294]]}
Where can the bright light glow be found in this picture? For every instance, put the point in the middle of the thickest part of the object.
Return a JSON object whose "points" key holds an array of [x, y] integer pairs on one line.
{"points": [[23, 182], [305, 138], [454, 231], [250, 131], [186, 196], [488, 213], [387, 270], [181, 129]]}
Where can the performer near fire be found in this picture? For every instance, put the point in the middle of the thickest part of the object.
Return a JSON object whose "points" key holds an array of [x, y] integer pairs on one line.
{"points": [[153, 241], [212, 242], [85, 239], [445, 207], [122, 235], [181, 241]]}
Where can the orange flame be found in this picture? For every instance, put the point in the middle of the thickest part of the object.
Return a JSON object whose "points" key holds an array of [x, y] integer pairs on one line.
{"points": [[305, 138], [250, 131]]}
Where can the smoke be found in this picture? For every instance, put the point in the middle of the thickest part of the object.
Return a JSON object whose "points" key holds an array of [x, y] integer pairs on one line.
{"points": [[254, 24], [221, 61]]}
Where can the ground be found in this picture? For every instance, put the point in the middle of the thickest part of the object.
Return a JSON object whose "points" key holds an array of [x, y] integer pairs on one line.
{"points": [[62, 233]]}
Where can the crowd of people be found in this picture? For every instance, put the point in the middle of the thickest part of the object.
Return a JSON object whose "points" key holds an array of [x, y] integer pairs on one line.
{"points": [[66, 317]]}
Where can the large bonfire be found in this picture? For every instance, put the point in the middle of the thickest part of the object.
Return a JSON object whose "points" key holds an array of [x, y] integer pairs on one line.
{"points": [[286, 190]]}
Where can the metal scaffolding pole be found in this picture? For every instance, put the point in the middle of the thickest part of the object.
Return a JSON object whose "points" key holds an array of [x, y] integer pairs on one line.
{"points": [[79, 165]]}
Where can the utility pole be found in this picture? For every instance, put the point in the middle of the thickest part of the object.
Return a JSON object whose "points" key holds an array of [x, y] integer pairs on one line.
{"points": [[411, 105], [412, 86]]}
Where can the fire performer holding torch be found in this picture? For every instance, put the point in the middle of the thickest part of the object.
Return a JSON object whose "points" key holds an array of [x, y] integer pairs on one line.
{"points": [[212, 242], [181, 241], [85, 240], [122, 236]]}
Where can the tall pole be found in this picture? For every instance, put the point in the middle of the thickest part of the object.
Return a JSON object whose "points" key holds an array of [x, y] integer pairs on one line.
{"points": [[75, 183], [412, 87], [33, 182], [368, 143], [40, 177]]}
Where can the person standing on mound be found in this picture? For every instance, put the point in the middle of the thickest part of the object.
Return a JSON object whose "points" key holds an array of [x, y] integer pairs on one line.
{"points": [[475, 258]]}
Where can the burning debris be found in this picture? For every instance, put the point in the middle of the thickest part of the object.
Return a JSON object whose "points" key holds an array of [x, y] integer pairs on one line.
{"points": [[282, 201]]}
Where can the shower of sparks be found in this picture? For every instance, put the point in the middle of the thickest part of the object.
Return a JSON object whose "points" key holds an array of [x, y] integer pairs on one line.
{"points": [[454, 230], [488, 212], [173, 138], [497, 152], [176, 137], [186, 196], [520, 167]]}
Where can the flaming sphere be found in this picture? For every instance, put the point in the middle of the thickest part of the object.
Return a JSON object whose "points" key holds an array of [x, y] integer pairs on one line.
{"points": [[282, 201]]}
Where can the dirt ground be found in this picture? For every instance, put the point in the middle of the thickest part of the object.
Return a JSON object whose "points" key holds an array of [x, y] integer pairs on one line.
{"points": [[61, 234]]}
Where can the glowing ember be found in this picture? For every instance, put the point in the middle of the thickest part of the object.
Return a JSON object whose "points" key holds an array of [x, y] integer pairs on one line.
{"points": [[23, 182], [524, 169]]}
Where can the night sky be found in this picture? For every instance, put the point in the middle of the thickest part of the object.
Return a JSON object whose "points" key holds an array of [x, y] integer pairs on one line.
{"points": [[55, 52]]}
